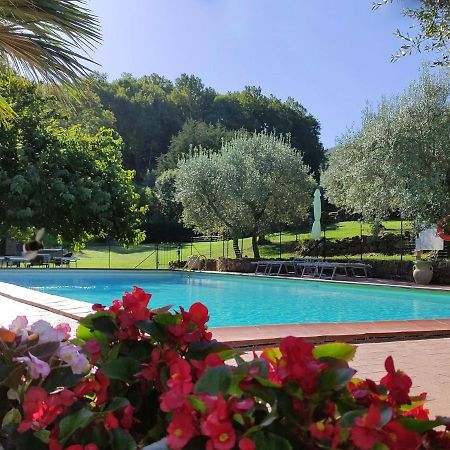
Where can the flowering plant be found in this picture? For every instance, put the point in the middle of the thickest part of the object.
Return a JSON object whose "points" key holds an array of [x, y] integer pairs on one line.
{"points": [[135, 377], [443, 228]]}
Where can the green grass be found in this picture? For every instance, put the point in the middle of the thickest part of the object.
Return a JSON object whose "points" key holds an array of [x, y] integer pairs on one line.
{"points": [[145, 256]]}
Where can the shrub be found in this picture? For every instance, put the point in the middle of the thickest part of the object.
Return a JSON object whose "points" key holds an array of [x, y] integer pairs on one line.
{"points": [[133, 376]]}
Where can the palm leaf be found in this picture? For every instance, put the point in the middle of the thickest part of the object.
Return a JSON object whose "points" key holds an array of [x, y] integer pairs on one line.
{"points": [[47, 39]]}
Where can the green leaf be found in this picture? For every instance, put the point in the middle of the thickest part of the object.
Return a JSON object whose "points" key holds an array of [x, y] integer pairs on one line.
{"points": [[385, 416], [257, 367], [44, 350], [197, 404], [86, 333], [413, 405], [337, 350], [69, 424], [380, 446], [12, 416], [272, 354], [167, 319], [348, 419], [266, 383], [103, 321], [43, 435], [117, 403], [419, 426], [200, 350], [105, 324], [269, 441], [123, 368], [335, 379], [63, 376], [122, 440], [214, 381], [155, 330]]}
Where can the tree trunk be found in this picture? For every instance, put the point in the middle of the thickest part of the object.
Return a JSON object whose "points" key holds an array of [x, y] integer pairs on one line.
{"points": [[255, 246], [237, 252]]}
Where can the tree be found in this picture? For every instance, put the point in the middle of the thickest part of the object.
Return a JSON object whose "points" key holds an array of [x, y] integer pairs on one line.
{"points": [[400, 159], [165, 194], [252, 111], [146, 117], [193, 134], [433, 18], [71, 183], [45, 39], [150, 111], [254, 184]]}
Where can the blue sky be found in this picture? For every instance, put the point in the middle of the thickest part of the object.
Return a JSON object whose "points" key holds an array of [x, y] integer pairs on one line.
{"points": [[330, 55]]}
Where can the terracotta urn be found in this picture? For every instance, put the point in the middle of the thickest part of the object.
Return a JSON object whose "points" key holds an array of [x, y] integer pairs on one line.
{"points": [[422, 272]]}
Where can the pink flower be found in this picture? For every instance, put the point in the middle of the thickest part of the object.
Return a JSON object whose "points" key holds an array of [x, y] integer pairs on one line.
{"points": [[20, 327], [71, 355], [64, 327], [36, 367], [47, 333]]}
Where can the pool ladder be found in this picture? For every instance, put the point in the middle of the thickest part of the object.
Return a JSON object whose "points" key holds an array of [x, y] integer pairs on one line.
{"points": [[195, 262]]}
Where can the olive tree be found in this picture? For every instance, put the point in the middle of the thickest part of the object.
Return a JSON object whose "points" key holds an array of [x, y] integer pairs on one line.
{"points": [[251, 186], [400, 158]]}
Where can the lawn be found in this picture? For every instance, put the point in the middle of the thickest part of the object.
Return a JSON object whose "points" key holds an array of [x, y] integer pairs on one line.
{"points": [[150, 256]]}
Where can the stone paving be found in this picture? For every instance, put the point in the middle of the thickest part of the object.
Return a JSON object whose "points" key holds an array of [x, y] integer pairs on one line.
{"points": [[426, 361]]}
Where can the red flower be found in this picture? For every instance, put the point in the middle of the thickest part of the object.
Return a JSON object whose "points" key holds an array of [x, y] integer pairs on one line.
{"points": [[191, 327], [180, 386], [41, 409], [134, 310], [93, 347], [110, 421], [212, 360], [182, 429], [126, 421], [298, 364], [221, 434], [397, 383], [115, 306], [97, 384], [365, 433], [399, 438], [98, 307], [246, 444]]}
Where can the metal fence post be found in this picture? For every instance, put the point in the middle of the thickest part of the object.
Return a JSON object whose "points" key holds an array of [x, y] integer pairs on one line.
{"points": [[109, 255], [360, 240], [401, 241], [157, 257], [280, 241]]}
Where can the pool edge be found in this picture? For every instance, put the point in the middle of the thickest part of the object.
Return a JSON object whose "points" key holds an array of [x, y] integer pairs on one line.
{"points": [[257, 336]]}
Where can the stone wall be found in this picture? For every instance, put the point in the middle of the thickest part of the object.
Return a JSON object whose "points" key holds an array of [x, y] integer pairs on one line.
{"points": [[386, 243], [387, 269]]}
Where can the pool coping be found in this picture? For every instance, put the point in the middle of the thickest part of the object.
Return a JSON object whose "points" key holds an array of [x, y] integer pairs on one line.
{"points": [[258, 336]]}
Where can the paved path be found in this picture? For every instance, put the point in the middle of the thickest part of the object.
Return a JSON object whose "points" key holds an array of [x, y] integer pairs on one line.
{"points": [[426, 361]]}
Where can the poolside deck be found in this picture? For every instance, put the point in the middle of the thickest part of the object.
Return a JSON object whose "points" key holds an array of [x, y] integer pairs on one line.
{"points": [[420, 347]]}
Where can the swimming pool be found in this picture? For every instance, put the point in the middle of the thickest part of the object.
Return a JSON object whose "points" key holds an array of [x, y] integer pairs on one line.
{"points": [[243, 300]]}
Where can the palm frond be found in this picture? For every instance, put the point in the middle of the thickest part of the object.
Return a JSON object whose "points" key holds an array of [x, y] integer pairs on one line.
{"points": [[47, 39]]}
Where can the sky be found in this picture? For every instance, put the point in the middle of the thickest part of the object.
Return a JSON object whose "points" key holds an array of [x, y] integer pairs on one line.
{"points": [[333, 56]]}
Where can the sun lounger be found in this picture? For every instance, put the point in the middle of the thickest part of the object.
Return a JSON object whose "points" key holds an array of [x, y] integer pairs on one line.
{"points": [[15, 261], [64, 261]]}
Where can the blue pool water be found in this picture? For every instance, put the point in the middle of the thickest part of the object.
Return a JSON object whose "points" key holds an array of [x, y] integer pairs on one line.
{"points": [[241, 300]]}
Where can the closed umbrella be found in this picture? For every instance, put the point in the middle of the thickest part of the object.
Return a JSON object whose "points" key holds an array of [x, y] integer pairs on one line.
{"points": [[316, 230]]}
